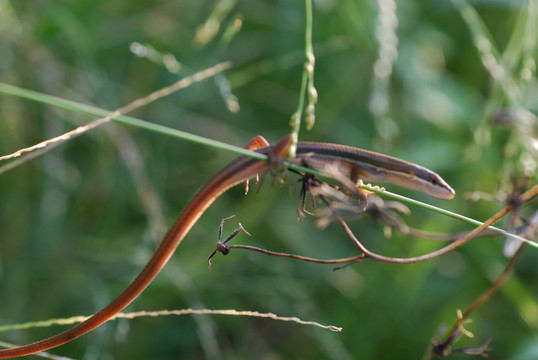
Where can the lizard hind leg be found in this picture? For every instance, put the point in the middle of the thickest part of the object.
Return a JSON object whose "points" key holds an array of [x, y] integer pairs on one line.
{"points": [[257, 143]]}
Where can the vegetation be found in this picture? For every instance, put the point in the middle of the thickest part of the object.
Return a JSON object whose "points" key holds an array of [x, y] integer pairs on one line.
{"points": [[449, 85]]}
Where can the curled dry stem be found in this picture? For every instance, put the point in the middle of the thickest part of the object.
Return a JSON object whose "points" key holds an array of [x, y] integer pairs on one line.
{"points": [[448, 248]]}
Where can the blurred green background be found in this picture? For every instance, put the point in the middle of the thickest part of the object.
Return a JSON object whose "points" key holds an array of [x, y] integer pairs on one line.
{"points": [[78, 223]]}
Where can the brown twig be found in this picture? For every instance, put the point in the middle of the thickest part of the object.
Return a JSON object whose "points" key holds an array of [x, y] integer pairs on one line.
{"points": [[381, 210], [443, 349], [224, 248], [452, 246], [298, 257]]}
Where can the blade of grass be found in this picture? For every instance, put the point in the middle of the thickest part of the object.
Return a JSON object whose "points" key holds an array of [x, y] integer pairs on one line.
{"points": [[158, 94], [124, 119], [447, 213], [128, 120]]}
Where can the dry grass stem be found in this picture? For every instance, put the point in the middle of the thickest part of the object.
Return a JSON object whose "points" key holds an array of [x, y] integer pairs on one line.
{"points": [[138, 103], [132, 315]]}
